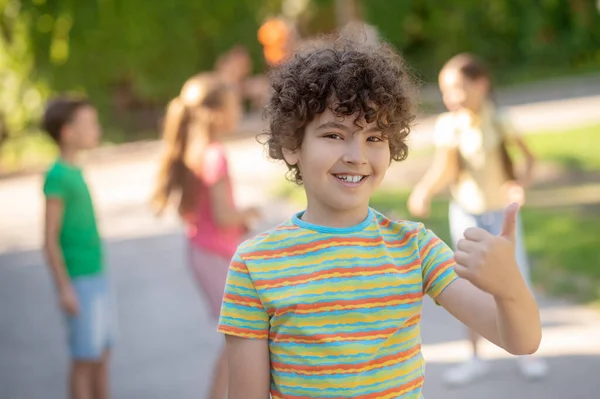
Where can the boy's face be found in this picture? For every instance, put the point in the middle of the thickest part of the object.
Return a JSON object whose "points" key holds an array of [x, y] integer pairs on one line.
{"points": [[83, 131], [341, 163]]}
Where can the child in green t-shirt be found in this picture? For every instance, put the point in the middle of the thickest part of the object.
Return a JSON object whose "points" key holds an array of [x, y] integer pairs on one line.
{"points": [[73, 247]]}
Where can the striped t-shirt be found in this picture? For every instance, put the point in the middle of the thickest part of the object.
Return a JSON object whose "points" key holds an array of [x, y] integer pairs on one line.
{"points": [[341, 307]]}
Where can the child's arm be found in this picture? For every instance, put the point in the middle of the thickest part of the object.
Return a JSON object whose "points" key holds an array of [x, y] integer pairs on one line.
{"points": [[439, 175], [245, 323], [224, 214], [54, 255], [215, 175], [527, 177], [512, 323], [249, 368], [514, 137], [492, 297]]}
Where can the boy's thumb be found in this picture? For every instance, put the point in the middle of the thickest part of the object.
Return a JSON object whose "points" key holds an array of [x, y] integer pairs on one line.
{"points": [[509, 224]]}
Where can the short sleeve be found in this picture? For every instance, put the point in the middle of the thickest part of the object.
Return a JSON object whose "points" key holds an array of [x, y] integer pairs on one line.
{"points": [[444, 133], [54, 185], [242, 312], [437, 263], [215, 165]]}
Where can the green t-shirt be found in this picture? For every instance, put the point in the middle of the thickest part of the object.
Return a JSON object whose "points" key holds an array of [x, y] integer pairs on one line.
{"points": [[79, 238]]}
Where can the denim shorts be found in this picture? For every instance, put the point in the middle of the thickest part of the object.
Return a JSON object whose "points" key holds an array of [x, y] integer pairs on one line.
{"points": [[93, 330]]}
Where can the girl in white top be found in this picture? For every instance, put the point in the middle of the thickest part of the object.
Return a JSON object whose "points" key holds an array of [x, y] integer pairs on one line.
{"points": [[471, 157]]}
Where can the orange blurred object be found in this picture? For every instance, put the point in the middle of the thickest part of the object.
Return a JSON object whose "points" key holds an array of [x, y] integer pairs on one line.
{"points": [[275, 35]]}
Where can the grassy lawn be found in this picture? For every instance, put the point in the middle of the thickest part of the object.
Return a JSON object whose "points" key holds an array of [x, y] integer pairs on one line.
{"points": [[572, 149]]}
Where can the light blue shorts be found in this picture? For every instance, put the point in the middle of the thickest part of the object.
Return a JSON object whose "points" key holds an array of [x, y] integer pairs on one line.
{"points": [[94, 329], [460, 220]]}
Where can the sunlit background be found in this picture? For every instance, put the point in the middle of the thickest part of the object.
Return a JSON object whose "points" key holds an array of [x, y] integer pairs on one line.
{"points": [[131, 57]]}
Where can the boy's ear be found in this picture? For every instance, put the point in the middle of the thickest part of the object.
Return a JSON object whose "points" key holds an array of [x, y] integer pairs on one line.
{"points": [[290, 156]]}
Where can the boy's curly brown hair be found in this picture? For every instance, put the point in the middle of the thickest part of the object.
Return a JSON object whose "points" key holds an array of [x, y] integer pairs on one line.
{"points": [[369, 81]]}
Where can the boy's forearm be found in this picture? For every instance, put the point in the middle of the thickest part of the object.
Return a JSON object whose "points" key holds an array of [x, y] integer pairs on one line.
{"points": [[518, 322], [56, 262], [512, 323]]}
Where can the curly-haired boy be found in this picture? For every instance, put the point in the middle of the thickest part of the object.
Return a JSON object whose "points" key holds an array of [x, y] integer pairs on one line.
{"points": [[328, 304]]}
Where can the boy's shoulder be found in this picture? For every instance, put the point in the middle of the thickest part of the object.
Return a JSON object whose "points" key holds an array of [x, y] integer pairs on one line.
{"points": [[399, 227], [267, 239]]}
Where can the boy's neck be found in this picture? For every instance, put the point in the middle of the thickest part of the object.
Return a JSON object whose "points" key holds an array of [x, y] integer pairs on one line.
{"points": [[333, 218]]}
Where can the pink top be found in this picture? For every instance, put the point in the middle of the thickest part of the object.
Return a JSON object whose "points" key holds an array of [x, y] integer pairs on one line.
{"points": [[203, 231]]}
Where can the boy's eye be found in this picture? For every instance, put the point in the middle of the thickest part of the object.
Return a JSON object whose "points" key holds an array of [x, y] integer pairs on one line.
{"points": [[375, 139], [334, 136]]}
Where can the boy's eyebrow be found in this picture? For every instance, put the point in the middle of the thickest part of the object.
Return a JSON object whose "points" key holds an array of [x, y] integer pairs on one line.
{"points": [[333, 125], [373, 129], [341, 126]]}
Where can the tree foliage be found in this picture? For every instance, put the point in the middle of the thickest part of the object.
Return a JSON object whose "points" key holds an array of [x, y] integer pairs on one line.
{"points": [[519, 38], [145, 48], [22, 95]]}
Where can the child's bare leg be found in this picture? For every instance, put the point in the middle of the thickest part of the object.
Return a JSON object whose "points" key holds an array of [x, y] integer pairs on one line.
{"points": [[218, 388], [80, 383], [100, 377]]}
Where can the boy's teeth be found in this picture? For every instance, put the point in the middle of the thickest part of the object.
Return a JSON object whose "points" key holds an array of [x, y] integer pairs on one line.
{"points": [[350, 179]]}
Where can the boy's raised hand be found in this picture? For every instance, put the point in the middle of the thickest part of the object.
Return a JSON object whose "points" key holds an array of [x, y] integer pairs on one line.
{"points": [[488, 261]]}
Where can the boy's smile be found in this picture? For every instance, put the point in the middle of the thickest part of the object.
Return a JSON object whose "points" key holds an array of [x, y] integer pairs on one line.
{"points": [[342, 162], [350, 180]]}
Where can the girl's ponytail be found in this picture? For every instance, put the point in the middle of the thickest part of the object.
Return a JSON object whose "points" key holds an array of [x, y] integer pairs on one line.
{"points": [[172, 167]]}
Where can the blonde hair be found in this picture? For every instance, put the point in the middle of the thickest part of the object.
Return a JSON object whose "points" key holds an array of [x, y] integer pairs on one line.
{"points": [[183, 122]]}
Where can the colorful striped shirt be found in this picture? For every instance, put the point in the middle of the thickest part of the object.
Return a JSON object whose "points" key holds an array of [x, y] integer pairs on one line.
{"points": [[340, 307]]}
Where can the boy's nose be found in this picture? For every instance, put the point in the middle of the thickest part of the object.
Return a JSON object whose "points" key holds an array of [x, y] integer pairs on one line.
{"points": [[355, 152]]}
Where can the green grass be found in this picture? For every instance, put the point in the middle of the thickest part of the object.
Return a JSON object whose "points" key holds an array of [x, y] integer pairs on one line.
{"points": [[563, 243], [575, 149], [572, 149]]}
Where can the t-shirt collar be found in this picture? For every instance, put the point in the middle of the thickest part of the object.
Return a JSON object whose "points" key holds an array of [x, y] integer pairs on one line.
{"points": [[296, 219]]}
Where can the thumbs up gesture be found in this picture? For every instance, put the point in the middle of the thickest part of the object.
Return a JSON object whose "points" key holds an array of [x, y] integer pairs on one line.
{"points": [[488, 261]]}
